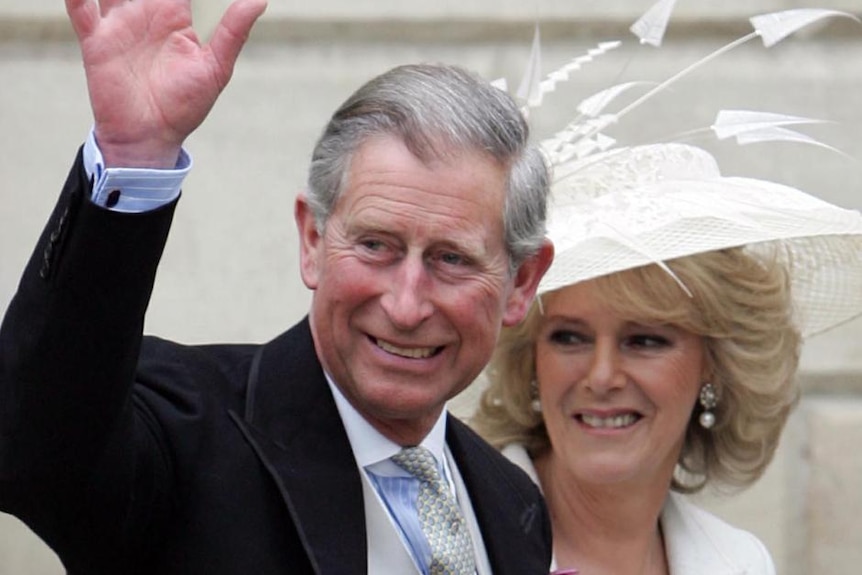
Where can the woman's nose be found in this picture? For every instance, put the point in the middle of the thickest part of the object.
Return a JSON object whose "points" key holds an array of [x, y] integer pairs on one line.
{"points": [[605, 371]]}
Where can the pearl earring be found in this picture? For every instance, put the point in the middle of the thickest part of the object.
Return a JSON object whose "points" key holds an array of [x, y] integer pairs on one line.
{"points": [[708, 400], [536, 403]]}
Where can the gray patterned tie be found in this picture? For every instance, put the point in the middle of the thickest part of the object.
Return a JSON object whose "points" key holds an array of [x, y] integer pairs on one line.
{"points": [[441, 519]]}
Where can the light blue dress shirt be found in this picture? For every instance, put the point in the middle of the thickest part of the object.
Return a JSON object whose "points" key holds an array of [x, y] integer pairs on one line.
{"points": [[132, 189], [398, 489]]}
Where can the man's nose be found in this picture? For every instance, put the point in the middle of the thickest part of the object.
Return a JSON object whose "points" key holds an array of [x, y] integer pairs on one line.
{"points": [[407, 300]]}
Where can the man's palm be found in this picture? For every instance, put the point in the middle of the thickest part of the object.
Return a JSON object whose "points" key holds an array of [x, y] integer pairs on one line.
{"points": [[151, 82]]}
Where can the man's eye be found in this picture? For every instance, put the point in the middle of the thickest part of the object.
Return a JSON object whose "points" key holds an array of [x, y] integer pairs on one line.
{"points": [[452, 259], [372, 245]]}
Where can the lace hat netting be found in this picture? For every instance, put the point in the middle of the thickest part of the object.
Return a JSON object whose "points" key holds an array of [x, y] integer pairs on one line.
{"points": [[650, 204]]}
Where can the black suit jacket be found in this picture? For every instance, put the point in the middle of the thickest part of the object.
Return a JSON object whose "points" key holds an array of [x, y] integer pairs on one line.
{"points": [[131, 454]]}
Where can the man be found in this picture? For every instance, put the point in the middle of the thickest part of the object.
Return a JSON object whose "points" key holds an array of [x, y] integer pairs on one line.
{"points": [[421, 234]]}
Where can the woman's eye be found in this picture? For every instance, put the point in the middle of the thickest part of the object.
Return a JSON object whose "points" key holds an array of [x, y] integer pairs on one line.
{"points": [[566, 337], [648, 341]]}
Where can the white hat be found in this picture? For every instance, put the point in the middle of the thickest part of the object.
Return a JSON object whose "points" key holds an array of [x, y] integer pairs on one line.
{"points": [[616, 208], [631, 207]]}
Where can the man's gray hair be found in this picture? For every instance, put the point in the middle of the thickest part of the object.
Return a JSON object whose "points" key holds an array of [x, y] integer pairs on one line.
{"points": [[438, 111]]}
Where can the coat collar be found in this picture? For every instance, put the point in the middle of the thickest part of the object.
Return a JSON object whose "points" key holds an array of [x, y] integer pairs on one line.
{"points": [[514, 526], [699, 542], [292, 422]]}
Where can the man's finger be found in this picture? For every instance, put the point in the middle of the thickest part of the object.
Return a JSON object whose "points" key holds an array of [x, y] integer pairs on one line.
{"points": [[84, 15], [232, 31], [107, 5]]}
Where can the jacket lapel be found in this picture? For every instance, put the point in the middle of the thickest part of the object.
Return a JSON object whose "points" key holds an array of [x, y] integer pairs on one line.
{"points": [[292, 422], [516, 538], [694, 546]]}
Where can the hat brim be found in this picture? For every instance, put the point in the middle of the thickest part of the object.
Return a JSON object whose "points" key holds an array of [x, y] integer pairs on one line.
{"points": [[597, 234]]}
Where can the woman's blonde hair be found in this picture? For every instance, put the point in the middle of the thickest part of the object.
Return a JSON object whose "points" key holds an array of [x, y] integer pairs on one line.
{"points": [[740, 305]]}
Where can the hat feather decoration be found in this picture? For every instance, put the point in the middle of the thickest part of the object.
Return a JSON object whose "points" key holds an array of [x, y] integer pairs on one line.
{"points": [[618, 207]]}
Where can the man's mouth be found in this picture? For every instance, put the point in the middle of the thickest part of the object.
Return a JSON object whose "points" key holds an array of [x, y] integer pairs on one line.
{"points": [[408, 352]]}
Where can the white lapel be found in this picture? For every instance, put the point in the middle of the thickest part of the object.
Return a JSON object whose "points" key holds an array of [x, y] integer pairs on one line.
{"points": [[387, 552], [699, 542]]}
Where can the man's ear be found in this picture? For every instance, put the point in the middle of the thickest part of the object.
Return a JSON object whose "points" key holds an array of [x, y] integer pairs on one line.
{"points": [[527, 279], [310, 242]]}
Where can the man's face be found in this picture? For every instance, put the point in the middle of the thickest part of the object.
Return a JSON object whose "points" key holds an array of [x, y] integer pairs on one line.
{"points": [[411, 282]]}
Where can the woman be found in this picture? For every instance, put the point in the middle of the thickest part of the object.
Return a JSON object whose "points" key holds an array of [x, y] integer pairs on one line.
{"points": [[660, 354]]}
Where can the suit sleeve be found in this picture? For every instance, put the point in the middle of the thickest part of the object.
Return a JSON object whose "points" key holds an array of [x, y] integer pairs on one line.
{"points": [[69, 345]]}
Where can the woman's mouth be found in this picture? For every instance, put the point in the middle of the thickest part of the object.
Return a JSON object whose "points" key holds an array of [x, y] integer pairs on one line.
{"points": [[610, 422]]}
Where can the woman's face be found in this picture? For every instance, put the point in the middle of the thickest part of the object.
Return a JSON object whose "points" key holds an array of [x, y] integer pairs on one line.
{"points": [[617, 394]]}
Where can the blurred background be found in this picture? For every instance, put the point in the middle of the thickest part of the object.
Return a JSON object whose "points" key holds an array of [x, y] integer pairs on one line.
{"points": [[230, 268]]}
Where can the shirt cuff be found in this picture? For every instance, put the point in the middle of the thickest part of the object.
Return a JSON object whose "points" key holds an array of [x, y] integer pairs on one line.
{"points": [[132, 190]]}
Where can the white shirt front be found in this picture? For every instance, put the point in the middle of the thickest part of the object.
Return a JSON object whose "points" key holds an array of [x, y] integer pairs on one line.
{"points": [[396, 489]]}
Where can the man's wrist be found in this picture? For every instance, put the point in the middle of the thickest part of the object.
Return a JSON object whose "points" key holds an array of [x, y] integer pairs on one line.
{"points": [[132, 189]]}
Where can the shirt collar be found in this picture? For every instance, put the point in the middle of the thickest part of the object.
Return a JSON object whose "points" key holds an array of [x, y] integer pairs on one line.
{"points": [[369, 445]]}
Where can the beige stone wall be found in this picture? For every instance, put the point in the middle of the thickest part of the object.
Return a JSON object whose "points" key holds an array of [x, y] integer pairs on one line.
{"points": [[230, 270]]}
